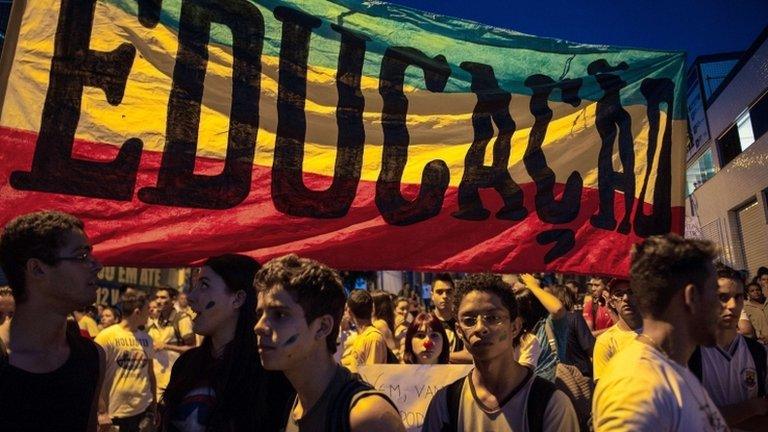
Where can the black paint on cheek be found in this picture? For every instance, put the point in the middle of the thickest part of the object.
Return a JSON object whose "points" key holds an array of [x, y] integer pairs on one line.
{"points": [[210, 305], [291, 340]]}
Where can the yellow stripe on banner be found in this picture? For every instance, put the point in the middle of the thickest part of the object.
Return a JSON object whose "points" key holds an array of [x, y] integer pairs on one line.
{"points": [[440, 123]]}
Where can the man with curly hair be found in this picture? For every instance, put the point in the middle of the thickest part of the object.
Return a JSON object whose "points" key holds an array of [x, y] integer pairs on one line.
{"points": [[499, 394], [49, 376]]}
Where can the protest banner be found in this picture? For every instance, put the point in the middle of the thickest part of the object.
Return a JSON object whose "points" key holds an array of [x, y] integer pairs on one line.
{"points": [[366, 135], [412, 387]]}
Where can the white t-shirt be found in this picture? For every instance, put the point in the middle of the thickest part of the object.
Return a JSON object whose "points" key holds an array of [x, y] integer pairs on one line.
{"points": [[527, 353], [512, 417], [643, 390], [729, 375]]}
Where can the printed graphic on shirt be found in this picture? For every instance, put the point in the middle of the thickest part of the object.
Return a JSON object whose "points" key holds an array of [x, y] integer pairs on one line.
{"points": [[194, 410]]}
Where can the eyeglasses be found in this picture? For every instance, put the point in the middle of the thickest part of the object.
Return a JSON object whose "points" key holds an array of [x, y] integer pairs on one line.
{"points": [[81, 257], [620, 295], [491, 320]]}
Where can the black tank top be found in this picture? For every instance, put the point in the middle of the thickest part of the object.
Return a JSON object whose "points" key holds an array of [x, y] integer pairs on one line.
{"points": [[57, 401]]}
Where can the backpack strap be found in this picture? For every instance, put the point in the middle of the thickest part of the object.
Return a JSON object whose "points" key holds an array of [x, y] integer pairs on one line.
{"points": [[694, 363], [337, 419], [453, 399], [538, 398], [760, 357]]}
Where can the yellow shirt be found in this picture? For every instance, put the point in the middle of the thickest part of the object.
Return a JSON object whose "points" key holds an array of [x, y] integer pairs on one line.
{"points": [[368, 347], [88, 324], [128, 361], [607, 345]]}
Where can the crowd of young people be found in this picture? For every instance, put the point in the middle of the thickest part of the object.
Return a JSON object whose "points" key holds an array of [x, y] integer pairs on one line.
{"points": [[678, 346]]}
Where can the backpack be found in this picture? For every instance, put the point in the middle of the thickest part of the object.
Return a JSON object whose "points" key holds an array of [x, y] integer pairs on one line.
{"points": [[573, 383], [175, 318], [538, 399], [758, 353], [337, 417]]}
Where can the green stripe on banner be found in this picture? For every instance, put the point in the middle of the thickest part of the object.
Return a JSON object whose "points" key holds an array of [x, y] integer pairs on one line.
{"points": [[514, 56]]}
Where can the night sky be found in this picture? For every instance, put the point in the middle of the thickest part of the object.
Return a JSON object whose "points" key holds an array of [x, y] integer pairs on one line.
{"points": [[698, 27]]}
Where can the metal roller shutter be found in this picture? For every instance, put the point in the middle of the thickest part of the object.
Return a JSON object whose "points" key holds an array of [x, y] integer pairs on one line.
{"points": [[753, 233]]}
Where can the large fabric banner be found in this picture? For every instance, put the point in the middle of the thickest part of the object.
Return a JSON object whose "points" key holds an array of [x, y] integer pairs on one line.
{"points": [[363, 134]]}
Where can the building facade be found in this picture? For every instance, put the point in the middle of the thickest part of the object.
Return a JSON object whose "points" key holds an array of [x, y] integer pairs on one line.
{"points": [[727, 162]]}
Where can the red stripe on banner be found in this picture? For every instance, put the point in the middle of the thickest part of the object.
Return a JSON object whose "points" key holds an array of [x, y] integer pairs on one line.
{"points": [[137, 234]]}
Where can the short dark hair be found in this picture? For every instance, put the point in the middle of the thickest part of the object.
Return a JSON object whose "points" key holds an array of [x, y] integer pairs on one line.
{"points": [[172, 292], [444, 277], [663, 265], [360, 304], [762, 271], [489, 283], [37, 235], [316, 287], [129, 303], [726, 272]]}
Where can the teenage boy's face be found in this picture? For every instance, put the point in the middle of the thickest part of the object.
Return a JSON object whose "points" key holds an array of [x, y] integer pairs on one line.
{"points": [[73, 275], [284, 338], [442, 296], [731, 299], [484, 324], [754, 292], [708, 310]]}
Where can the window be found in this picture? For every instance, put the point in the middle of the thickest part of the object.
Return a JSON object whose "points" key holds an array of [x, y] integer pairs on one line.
{"points": [[746, 135], [701, 170], [750, 126], [730, 146]]}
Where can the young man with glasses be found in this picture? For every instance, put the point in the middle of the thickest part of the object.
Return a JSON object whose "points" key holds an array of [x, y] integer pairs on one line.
{"points": [[626, 329], [499, 394], [734, 370], [647, 386], [49, 377]]}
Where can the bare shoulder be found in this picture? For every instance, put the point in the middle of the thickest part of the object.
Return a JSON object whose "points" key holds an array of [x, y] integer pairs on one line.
{"points": [[373, 413]]}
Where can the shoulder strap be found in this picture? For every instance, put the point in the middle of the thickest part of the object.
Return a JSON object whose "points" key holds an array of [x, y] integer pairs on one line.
{"points": [[694, 363], [337, 419], [760, 357], [538, 399], [453, 398], [551, 336]]}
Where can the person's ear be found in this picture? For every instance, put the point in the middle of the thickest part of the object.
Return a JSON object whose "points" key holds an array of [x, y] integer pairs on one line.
{"points": [[238, 299], [324, 326], [516, 326], [690, 298], [35, 268]]}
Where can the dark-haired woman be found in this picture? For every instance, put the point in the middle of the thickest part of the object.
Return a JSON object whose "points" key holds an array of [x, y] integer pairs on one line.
{"points": [[221, 385], [542, 313], [426, 341], [383, 318]]}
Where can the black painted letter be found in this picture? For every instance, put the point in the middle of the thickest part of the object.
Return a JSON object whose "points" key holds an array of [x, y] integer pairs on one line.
{"points": [[177, 184], [289, 193], [395, 209], [548, 209], [612, 121], [492, 107], [73, 67], [656, 92]]}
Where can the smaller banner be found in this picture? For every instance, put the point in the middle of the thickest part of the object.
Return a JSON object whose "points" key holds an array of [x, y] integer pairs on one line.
{"points": [[412, 387]]}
